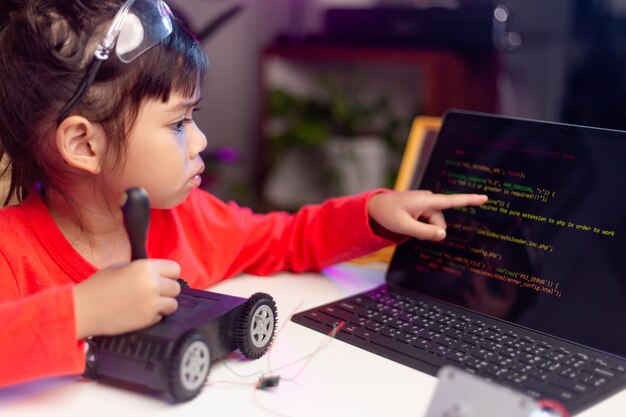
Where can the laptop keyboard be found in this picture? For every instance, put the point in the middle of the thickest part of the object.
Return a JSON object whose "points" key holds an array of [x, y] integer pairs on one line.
{"points": [[427, 335]]}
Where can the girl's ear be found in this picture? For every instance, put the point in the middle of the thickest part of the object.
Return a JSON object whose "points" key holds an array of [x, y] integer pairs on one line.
{"points": [[81, 143]]}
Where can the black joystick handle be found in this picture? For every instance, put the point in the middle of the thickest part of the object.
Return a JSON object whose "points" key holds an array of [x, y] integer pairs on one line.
{"points": [[136, 210]]}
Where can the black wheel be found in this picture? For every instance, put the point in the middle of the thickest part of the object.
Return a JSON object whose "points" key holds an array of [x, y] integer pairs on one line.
{"points": [[256, 325], [189, 367]]}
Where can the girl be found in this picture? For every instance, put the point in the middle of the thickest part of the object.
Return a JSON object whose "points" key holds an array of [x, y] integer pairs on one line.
{"points": [[98, 97]]}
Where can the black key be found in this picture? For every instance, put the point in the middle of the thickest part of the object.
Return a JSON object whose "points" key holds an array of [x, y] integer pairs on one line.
{"points": [[443, 340], [590, 379], [349, 328], [461, 346], [362, 333], [499, 337], [548, 391], [490, 345], [359, 321], [397, 346], [569, 373], [415, 330], [510, 352], [619, 368], [541, 362], [333, 322], [601, 362], [353, 308], [546, 345], [517, 344], [480, 352], [599, 371], [512, 334], [454, 333], [405, 337], [383, 318], [563, 351], [529, 358], [338, 313], [390, 332], [472, 362], [552, 355], [374, 326], [521, 368], [502, 361], [515, 378], [566, 384], [361, 300], [471, 339], [318, 317], [456, 356], [422, 343], [539, 374], [428, 335], [535, 350], [438, 327], [440, 350], [422, 322], [398, 324], [574, 362], [490, 369], [370, 314]]}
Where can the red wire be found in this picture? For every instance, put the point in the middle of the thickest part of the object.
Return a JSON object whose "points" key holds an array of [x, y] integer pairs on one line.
{"points": [[335, 329], [331, 334]]}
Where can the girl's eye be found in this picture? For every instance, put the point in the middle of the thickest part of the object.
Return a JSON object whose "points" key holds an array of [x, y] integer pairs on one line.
{"points": [[179, 126]]}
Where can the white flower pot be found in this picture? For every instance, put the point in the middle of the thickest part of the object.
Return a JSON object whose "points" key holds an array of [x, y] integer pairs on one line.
{"points": [[342, 166], [297, 179], [358, 164]]}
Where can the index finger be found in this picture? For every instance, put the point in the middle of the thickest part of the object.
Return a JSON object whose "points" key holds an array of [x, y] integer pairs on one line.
{"points": [[166, 268], [447, 201]]}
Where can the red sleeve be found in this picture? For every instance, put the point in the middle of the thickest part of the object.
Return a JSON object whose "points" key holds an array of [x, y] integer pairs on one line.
{"points": [[38, 336], [213, 240], [311, 239]]}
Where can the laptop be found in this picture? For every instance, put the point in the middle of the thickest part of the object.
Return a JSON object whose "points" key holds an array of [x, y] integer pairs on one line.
{"points": [[528, 290]]}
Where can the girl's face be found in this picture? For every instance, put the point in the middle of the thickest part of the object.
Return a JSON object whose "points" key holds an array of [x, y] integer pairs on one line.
{"points": [[163, 153]]}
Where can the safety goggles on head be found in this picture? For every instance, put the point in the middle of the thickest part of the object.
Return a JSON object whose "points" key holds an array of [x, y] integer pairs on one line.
{"points": [[138, 26]]}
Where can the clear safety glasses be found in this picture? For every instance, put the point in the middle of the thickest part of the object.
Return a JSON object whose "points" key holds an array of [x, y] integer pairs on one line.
{"points": [[138, 26]]}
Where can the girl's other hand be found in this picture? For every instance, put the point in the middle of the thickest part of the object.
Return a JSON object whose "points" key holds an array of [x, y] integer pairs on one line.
{"points": [[416, 213], [126, 297]]}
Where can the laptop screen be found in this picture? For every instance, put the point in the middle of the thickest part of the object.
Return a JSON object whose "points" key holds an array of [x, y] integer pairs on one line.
{"points": [[548, 251]]}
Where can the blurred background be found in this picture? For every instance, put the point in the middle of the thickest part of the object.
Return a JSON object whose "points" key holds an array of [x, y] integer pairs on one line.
{"points": [[300, 89]]}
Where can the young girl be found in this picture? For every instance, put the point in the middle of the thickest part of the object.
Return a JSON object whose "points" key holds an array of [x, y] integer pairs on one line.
{"points": [[97, 97]]}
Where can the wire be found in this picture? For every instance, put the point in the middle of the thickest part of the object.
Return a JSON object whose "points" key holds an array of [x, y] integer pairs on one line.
{"points": [[308, 357], [552, 405], [270, 378], [326, 342], [271, 349], [255, 373]]}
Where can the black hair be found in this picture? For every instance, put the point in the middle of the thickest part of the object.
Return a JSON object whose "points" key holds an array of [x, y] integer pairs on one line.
{"points": [[45, 47]]}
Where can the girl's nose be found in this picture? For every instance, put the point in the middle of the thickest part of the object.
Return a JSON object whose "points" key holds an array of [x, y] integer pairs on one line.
{"points": [[197, 141]]}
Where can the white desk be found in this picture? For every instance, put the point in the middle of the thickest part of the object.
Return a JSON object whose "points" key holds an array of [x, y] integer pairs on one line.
{"points": [[339, 380]]}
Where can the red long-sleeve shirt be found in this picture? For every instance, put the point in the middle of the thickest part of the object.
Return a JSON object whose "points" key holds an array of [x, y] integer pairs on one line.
{"points": [[211, 240]]}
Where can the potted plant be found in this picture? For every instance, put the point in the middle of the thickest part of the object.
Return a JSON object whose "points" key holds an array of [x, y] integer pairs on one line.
{"points": [[338, 136]]}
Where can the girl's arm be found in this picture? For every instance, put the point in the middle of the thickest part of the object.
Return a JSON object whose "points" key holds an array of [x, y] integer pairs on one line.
{"points": [[38, 337], [214, 240], [42, 334]]}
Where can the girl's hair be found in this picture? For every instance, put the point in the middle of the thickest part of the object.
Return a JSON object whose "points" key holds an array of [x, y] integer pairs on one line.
{"points": [[45, 47]]}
